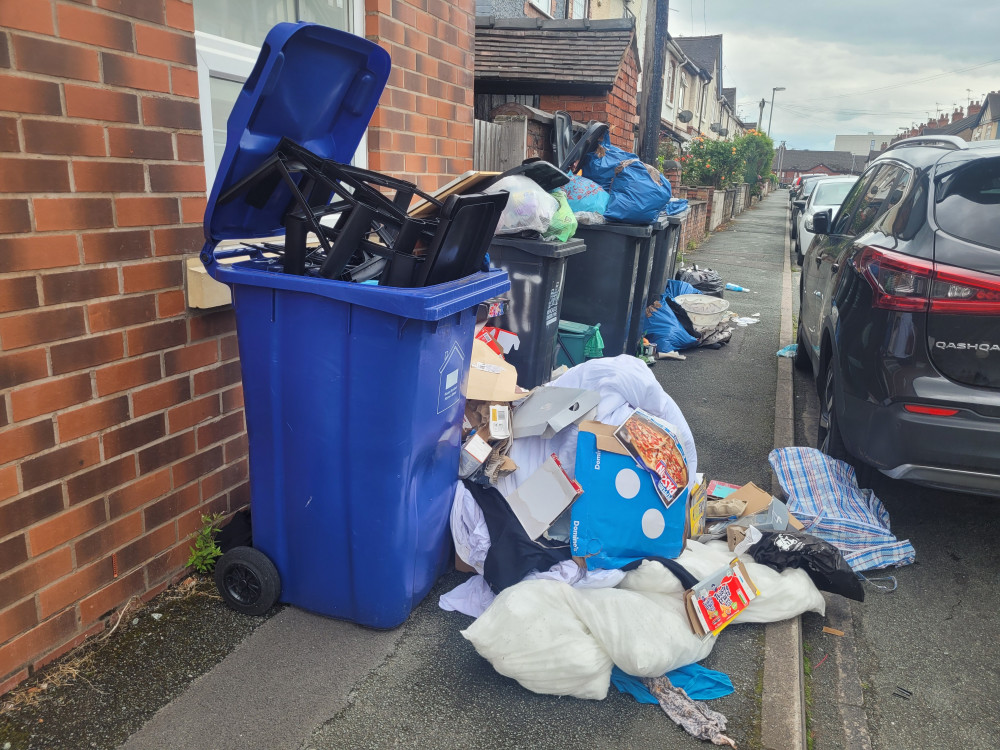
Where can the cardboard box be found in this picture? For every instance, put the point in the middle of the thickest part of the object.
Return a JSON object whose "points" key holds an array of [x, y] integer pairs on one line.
{"points": [[758, 501], [696, 507], [717, 600], [499, 340], [491, 378], [606, 440], [543, 497], [549, 410], [721, 490], [621, 517]]}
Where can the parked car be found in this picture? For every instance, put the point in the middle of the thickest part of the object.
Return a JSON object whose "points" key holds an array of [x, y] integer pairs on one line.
{"points": [[796, 185], [900, 316], [828, 194], [805, 189]]}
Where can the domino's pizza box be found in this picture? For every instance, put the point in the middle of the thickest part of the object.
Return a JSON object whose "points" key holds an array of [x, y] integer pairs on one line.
{"points": [[620, 517]]}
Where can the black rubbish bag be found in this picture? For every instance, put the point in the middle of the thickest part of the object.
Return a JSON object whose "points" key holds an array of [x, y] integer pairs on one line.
{"points": [[821, 560], [705, 280]]}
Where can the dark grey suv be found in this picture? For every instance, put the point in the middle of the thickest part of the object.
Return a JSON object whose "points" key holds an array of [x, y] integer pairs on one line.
{"points": [[900, 316]]}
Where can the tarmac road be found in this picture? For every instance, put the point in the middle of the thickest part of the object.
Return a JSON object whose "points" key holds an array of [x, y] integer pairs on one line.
{"points": [[934, 636]]}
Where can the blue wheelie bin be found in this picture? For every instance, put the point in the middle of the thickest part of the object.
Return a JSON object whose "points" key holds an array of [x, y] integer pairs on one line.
{"points": [[353, 392]]}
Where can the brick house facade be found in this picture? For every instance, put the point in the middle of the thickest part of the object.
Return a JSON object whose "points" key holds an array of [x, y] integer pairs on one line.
{"points": [[618, 107], [525, 59], [121, 409]]}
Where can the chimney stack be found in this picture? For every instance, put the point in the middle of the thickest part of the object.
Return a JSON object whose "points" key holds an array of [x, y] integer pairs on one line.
{"points": [[974, 108], [957, 115]]}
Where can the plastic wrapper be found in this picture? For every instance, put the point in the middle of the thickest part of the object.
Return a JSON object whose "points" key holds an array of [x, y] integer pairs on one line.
{"points": [[589, 217], [529, 207], [586, 195], [563, 224], [821, 560]]}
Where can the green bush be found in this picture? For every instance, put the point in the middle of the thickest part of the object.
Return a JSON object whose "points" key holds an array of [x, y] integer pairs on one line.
{"points": [[723, 164]]}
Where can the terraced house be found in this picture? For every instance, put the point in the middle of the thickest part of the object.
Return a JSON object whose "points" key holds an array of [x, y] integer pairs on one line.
{"points": [[121, 417]]}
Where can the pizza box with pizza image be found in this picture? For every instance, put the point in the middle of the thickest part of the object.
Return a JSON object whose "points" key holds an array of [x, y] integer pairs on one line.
{"points": [[656, 447]]}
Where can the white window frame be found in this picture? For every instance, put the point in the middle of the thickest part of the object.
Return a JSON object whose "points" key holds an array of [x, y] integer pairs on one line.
{"points": [[228, 59]]}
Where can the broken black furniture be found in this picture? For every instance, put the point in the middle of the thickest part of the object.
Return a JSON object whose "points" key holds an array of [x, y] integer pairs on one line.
{"points": [[360, 220]]}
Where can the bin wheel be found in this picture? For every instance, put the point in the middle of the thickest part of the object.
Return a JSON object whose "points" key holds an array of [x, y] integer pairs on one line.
{"points": [[248, 581]]}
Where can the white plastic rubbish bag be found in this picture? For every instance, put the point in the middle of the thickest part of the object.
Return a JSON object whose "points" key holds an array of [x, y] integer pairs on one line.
{"points": [[529, 207]]}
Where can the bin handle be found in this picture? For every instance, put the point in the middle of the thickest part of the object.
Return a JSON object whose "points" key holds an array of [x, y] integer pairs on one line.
{"points": [[210, 253]]}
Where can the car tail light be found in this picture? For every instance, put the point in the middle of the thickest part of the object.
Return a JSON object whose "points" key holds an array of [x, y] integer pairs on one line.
{"points": [[901, 282], [936, 411], [956, 290], [898, 281]]}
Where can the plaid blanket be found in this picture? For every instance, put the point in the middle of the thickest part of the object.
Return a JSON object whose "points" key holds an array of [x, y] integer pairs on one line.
{"points": [[823, 494]]}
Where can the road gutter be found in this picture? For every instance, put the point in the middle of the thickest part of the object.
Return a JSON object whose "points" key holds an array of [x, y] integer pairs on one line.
{"points": [[783, 703]]}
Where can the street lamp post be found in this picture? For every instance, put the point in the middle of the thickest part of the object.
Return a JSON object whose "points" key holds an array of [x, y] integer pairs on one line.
{"points": [[770, 115]]}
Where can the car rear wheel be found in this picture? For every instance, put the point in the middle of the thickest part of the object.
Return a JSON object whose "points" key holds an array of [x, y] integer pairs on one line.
{"points": [[830, 441], [802, 361], [828, 438]]}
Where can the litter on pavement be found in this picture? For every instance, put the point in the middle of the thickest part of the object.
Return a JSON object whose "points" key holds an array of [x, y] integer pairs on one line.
{"points": [[598, 553], [823, 492]]}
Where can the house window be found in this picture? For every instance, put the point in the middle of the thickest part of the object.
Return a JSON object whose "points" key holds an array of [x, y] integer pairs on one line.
{"points": [[578, 8], [228, 35], [671, 75]]}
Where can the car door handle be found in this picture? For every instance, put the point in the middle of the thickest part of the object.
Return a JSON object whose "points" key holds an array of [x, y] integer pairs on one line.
{"points": [[834, 268]]}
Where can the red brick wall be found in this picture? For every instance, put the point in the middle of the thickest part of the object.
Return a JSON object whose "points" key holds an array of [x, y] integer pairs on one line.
{"points": [[792, 175], [619, 107], [422, 130], [120, 411], [695, 225]]}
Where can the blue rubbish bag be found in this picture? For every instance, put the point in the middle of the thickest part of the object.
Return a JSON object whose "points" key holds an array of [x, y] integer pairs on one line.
{"points": [[638, 192], [675, 288], [664, 330], [676, 206]]}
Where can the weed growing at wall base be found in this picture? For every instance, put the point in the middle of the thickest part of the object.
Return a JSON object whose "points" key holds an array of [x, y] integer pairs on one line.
{"points": [[205, 550]]}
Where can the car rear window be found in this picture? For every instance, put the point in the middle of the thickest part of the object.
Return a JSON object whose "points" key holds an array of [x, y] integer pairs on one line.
{"points": [[832, 193], [967, 198]]}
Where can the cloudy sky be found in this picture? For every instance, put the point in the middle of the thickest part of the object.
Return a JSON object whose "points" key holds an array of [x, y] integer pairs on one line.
{"points": [[849, 66]]}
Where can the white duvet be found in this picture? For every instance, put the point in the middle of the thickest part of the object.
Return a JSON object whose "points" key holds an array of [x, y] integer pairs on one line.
{"points": [[560, 640]]}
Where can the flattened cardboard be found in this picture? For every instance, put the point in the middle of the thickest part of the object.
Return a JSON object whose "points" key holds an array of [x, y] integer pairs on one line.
{"points": [[606, 440], [543, 497], [758, 501], [549, 410], [491, 378]]}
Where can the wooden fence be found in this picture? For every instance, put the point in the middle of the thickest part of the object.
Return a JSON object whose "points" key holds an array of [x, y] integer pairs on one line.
{"points": [[498, 146]]}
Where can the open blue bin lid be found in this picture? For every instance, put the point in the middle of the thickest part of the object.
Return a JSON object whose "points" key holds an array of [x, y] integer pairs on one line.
{"points": [[312, 84]]}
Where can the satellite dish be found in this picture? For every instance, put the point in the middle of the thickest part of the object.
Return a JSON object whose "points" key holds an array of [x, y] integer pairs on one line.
{"points": [[686, 115], [715, 127], [723, 132]]}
